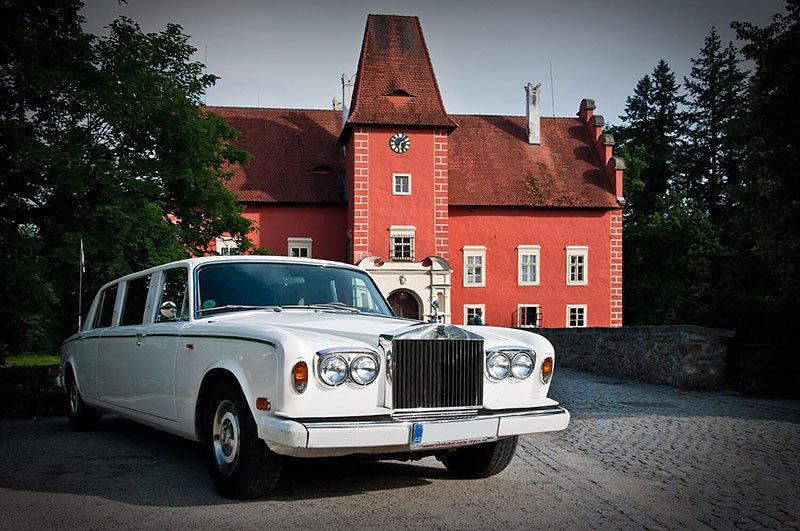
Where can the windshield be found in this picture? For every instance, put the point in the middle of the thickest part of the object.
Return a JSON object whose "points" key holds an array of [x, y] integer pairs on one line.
{"points": [[244, 285]]}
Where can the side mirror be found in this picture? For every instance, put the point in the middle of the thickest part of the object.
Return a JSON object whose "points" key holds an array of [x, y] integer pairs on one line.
{"points": [[169, 311]]}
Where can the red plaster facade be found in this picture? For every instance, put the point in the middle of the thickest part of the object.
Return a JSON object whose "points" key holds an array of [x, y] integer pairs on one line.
{"points": [[325, 225], [544, 220], [503, 231]]}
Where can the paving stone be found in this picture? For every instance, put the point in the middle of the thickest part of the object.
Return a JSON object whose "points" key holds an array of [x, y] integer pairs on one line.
{"points": [[695, 459]]}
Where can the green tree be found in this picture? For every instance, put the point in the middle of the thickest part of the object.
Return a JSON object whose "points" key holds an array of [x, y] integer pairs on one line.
{"points": [[652, 122], [667, 273], [712, 151], [767, 222], [104, 140], [668, 241]]}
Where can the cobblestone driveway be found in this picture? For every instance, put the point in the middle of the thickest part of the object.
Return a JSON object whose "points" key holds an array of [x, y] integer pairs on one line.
{"points": [[652, 456], [634, 456]]}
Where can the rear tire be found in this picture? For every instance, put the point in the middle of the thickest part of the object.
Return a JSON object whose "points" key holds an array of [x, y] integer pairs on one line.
{"points": [[481, 460], [240, 464], [81, 417]]}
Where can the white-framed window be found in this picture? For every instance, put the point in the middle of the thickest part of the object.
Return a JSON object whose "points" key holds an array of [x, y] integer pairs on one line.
{"points": [[576, 315], [577, 265], [299, 247], [473, 310], [401, 184], [474, 265], [227, 246], [401, 243], [528, 316], [528, 267]]}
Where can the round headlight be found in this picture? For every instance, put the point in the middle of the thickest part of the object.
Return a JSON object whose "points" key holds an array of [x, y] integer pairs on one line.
{"points": [[522, 365], [498, 366], [332, 370], [363, 370]]}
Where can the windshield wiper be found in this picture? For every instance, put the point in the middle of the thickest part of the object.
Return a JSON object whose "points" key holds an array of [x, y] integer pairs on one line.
{"points": [[337, 306], [231, 308]]}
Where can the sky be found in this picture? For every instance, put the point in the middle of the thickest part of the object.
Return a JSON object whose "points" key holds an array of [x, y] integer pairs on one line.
{"points": [[292, 54]]}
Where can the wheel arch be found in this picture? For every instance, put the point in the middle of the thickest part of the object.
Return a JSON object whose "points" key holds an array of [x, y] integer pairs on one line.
{"points": [[68, 374], [211, 379]]}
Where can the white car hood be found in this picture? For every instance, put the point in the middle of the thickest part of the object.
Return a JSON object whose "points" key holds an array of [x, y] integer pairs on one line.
{"points": [[344, 326]]}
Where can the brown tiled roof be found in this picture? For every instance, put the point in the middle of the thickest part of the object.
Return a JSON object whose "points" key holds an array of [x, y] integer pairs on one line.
{"points": [[491, 163], [295, 158], [396, 84]]}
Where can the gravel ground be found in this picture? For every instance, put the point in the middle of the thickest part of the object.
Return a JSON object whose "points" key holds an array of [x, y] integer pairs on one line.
{"points": [[634, 456]]}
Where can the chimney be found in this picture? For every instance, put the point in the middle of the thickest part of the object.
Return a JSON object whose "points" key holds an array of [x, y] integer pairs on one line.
{"points": [[347, 96], [532, 94]]}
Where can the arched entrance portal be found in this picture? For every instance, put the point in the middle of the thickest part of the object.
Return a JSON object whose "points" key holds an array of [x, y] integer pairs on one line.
{"points": [[404, 304]]}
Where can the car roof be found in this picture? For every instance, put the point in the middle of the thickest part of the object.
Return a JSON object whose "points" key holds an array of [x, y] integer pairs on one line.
{"points": [[198, 261]]}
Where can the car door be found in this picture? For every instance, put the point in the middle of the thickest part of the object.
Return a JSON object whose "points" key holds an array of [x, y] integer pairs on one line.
{"points": [[84, 360], [154, 359], [119, 345]]}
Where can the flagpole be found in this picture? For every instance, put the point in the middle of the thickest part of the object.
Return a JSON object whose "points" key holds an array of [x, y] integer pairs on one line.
{"points": [[81, 269]]}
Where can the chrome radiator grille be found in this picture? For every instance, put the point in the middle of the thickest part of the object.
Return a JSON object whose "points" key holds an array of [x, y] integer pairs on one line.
{"points": [[437, 373]]}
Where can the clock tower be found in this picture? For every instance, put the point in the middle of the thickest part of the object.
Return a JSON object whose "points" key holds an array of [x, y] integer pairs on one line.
{"points": [[395, 144]]}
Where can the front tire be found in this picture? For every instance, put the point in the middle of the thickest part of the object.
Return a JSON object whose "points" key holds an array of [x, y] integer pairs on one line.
{"points": [[481, 460], [240, 464], [81, 417]]}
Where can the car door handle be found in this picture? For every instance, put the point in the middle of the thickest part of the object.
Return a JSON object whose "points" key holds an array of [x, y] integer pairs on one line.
{"points": [[139, 339]]}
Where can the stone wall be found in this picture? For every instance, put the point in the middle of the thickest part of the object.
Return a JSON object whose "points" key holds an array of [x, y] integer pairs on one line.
{"points": [[688, 357]]}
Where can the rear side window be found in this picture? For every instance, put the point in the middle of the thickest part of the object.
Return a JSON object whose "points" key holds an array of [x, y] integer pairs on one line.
{"points": [[135, 301], [105, 311]]}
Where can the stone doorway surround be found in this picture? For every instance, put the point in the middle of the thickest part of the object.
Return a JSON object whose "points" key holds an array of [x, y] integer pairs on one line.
{"points": [[427, 280], [405, 303]]}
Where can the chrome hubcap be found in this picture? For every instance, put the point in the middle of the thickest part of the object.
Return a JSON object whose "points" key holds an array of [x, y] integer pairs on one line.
{"points": [[73, 398], [226, 437]]}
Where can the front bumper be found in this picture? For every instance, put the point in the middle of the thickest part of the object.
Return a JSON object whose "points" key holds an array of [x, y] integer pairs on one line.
{"points": [[352, 436]]}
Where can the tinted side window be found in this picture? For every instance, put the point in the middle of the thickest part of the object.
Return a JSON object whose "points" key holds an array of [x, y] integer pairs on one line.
{"points": [[105, 311], [135, 301], [173, 290]]}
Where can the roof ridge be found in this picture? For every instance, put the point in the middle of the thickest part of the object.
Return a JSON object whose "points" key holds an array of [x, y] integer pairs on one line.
{"points": [[268, 108]]}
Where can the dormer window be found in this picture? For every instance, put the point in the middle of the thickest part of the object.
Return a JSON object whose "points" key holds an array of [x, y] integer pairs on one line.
{"points": [[401, 92], [321, 169]]}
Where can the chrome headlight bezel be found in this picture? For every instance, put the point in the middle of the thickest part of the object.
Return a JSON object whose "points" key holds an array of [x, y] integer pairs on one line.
{"points": [[519, 361], [495, 360], [515, 357], [354, 367], [325, 362], [348, 357]]}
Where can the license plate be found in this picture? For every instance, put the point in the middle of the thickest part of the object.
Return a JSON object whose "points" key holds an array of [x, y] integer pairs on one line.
{"points": [[416, 434], [444, 434]]}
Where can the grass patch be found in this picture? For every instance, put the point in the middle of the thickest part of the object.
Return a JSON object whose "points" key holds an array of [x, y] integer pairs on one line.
{"points": [[31, 360]]}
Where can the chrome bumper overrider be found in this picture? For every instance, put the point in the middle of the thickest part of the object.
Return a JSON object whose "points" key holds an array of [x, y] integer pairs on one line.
{"points": [[283, 434]]}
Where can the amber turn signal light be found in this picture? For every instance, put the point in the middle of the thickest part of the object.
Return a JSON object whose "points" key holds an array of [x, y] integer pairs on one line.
{"points": [[547, 369], [300, 376], [263, 404]]}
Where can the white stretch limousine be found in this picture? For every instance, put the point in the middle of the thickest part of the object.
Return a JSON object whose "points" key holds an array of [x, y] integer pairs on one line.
{"points": [[265, 357]]}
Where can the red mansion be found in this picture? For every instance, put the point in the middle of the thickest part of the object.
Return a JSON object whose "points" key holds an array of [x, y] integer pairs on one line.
{"points": [[518, 216]]}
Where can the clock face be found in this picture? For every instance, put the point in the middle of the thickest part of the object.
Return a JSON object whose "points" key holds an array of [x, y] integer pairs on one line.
{"points": [[399, 142]]}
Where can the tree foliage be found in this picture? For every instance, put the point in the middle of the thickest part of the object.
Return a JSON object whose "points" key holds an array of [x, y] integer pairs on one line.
{"points": [[666, 280], [712, 151], [712, 231], [767, 223], [104, 139]]}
